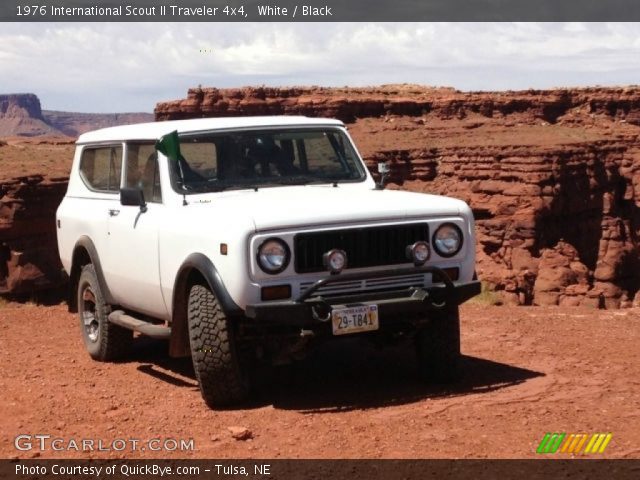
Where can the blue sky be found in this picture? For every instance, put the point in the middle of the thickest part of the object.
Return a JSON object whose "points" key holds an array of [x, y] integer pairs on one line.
{"points": [[120, 67]]}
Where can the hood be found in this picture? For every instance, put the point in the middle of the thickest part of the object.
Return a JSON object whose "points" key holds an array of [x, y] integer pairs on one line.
{"points": [[290, 207]]}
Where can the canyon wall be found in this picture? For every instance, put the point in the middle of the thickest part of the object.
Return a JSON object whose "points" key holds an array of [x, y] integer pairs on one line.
{"points": [[33, 181], [350, 104], [555, 225], [28, 250], [553, 177]]}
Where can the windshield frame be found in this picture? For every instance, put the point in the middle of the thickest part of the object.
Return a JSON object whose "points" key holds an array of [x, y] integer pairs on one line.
{"points": [[251, 184]]}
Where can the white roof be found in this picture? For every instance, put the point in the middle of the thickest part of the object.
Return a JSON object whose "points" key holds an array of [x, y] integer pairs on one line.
{"points": [[155, 130]]}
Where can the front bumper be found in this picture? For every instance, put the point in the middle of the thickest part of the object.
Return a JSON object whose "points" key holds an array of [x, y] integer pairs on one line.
{"points": [[309, 309]]}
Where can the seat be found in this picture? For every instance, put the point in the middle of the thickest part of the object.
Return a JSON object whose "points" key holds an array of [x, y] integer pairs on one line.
{"points": [[270, 158]]}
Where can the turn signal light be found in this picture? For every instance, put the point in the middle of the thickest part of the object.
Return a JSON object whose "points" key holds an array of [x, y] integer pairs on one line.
{"points": [[452, 273], [275, 292]]}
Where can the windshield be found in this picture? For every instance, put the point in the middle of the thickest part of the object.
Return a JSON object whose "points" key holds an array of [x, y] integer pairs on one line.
{"points": [[210, 162]]}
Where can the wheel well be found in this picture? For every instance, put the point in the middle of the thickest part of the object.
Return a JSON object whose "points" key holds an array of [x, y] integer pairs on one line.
{"points": [[179, 346], [80, 258]]}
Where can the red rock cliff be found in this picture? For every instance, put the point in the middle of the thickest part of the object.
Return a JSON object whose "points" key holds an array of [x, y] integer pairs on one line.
{"points": [[28, 250], [33, 181], [553, 176]]}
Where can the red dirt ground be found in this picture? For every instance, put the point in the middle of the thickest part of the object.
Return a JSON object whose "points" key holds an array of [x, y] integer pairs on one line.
{"points": [[529, 370]]}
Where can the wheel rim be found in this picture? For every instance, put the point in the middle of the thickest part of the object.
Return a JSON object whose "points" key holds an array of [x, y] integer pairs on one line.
{"points": [[88, 314]]}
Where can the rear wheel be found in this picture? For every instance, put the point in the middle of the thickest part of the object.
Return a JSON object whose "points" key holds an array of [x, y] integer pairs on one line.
{"points": [[222, 377], [104, 341], [438, 347]]}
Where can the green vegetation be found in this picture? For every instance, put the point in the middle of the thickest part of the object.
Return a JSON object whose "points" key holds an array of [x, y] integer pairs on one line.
{"points": [[487, 296]]}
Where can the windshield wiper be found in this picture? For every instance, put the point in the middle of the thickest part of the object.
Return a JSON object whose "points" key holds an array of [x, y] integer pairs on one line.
{"points": [[222, 188], [300, 180], [289, 181], [293, 181]]}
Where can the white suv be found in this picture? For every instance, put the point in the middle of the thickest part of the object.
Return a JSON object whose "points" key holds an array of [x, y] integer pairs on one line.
{"points": [[254, 238]]}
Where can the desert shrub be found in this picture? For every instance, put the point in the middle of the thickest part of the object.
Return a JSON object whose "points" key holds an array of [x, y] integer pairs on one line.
{"points": [[487, 296]]}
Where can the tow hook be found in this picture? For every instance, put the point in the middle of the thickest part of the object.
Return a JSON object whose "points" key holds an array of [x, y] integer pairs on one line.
{"points": [[439, 304], [321, 312]]}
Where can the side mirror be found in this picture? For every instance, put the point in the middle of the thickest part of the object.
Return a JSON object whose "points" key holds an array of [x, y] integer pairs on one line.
{"points": [[383, 170], [133, 197]]}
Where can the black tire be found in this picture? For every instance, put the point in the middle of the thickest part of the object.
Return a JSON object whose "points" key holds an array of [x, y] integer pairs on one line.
{"points": [[438, 347], [223, 379], [104, 340]]}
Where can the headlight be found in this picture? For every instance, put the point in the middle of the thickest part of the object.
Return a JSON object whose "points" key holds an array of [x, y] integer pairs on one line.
{"points": [[447, 240], [335, 260], [273, 255]]}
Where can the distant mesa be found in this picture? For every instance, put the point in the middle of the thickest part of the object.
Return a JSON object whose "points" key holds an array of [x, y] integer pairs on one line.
{"points": [[21, 115]]}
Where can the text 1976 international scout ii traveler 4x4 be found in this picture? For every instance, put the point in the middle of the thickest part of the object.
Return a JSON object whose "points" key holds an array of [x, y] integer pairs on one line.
{"points": [[240, 239]]}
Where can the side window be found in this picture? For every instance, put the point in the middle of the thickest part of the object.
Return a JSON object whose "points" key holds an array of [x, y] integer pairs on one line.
{"points": [[100, 168], [142, 171]]}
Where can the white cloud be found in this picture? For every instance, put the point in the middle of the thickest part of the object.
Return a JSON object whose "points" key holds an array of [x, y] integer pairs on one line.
{"points": [[129, 66]]}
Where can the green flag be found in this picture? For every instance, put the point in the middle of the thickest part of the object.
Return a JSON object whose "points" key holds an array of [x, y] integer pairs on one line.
{"points": [[169, 146]]}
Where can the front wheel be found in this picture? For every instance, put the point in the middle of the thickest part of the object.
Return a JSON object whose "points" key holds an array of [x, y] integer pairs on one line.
{"points": [[438, 347], [223, 379]]}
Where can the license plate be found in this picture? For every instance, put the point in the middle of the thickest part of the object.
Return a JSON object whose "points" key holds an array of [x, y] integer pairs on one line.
{"points": [[362, 318]]}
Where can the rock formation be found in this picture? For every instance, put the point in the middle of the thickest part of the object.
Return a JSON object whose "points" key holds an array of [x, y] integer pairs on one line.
{"points": [[28, 248], [349, 104]]}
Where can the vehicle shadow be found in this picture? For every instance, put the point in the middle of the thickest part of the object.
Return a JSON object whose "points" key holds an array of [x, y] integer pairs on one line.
{"points": [[354, 375], [350, 374], [153, 355]]}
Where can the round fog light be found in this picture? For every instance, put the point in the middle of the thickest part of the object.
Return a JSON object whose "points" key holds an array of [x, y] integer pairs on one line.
{"points": [[419, 252], [335, 260]]}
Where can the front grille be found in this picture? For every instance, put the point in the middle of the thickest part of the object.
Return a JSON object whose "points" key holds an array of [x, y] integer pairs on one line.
{"points": [[369, 285], [365, 247]]}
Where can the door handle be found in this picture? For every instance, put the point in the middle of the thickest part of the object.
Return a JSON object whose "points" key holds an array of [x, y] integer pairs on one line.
{"points": [[113, 212]]}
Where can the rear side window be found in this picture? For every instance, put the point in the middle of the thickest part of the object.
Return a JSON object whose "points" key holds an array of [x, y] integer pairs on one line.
{"points": [[100, 168]]}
